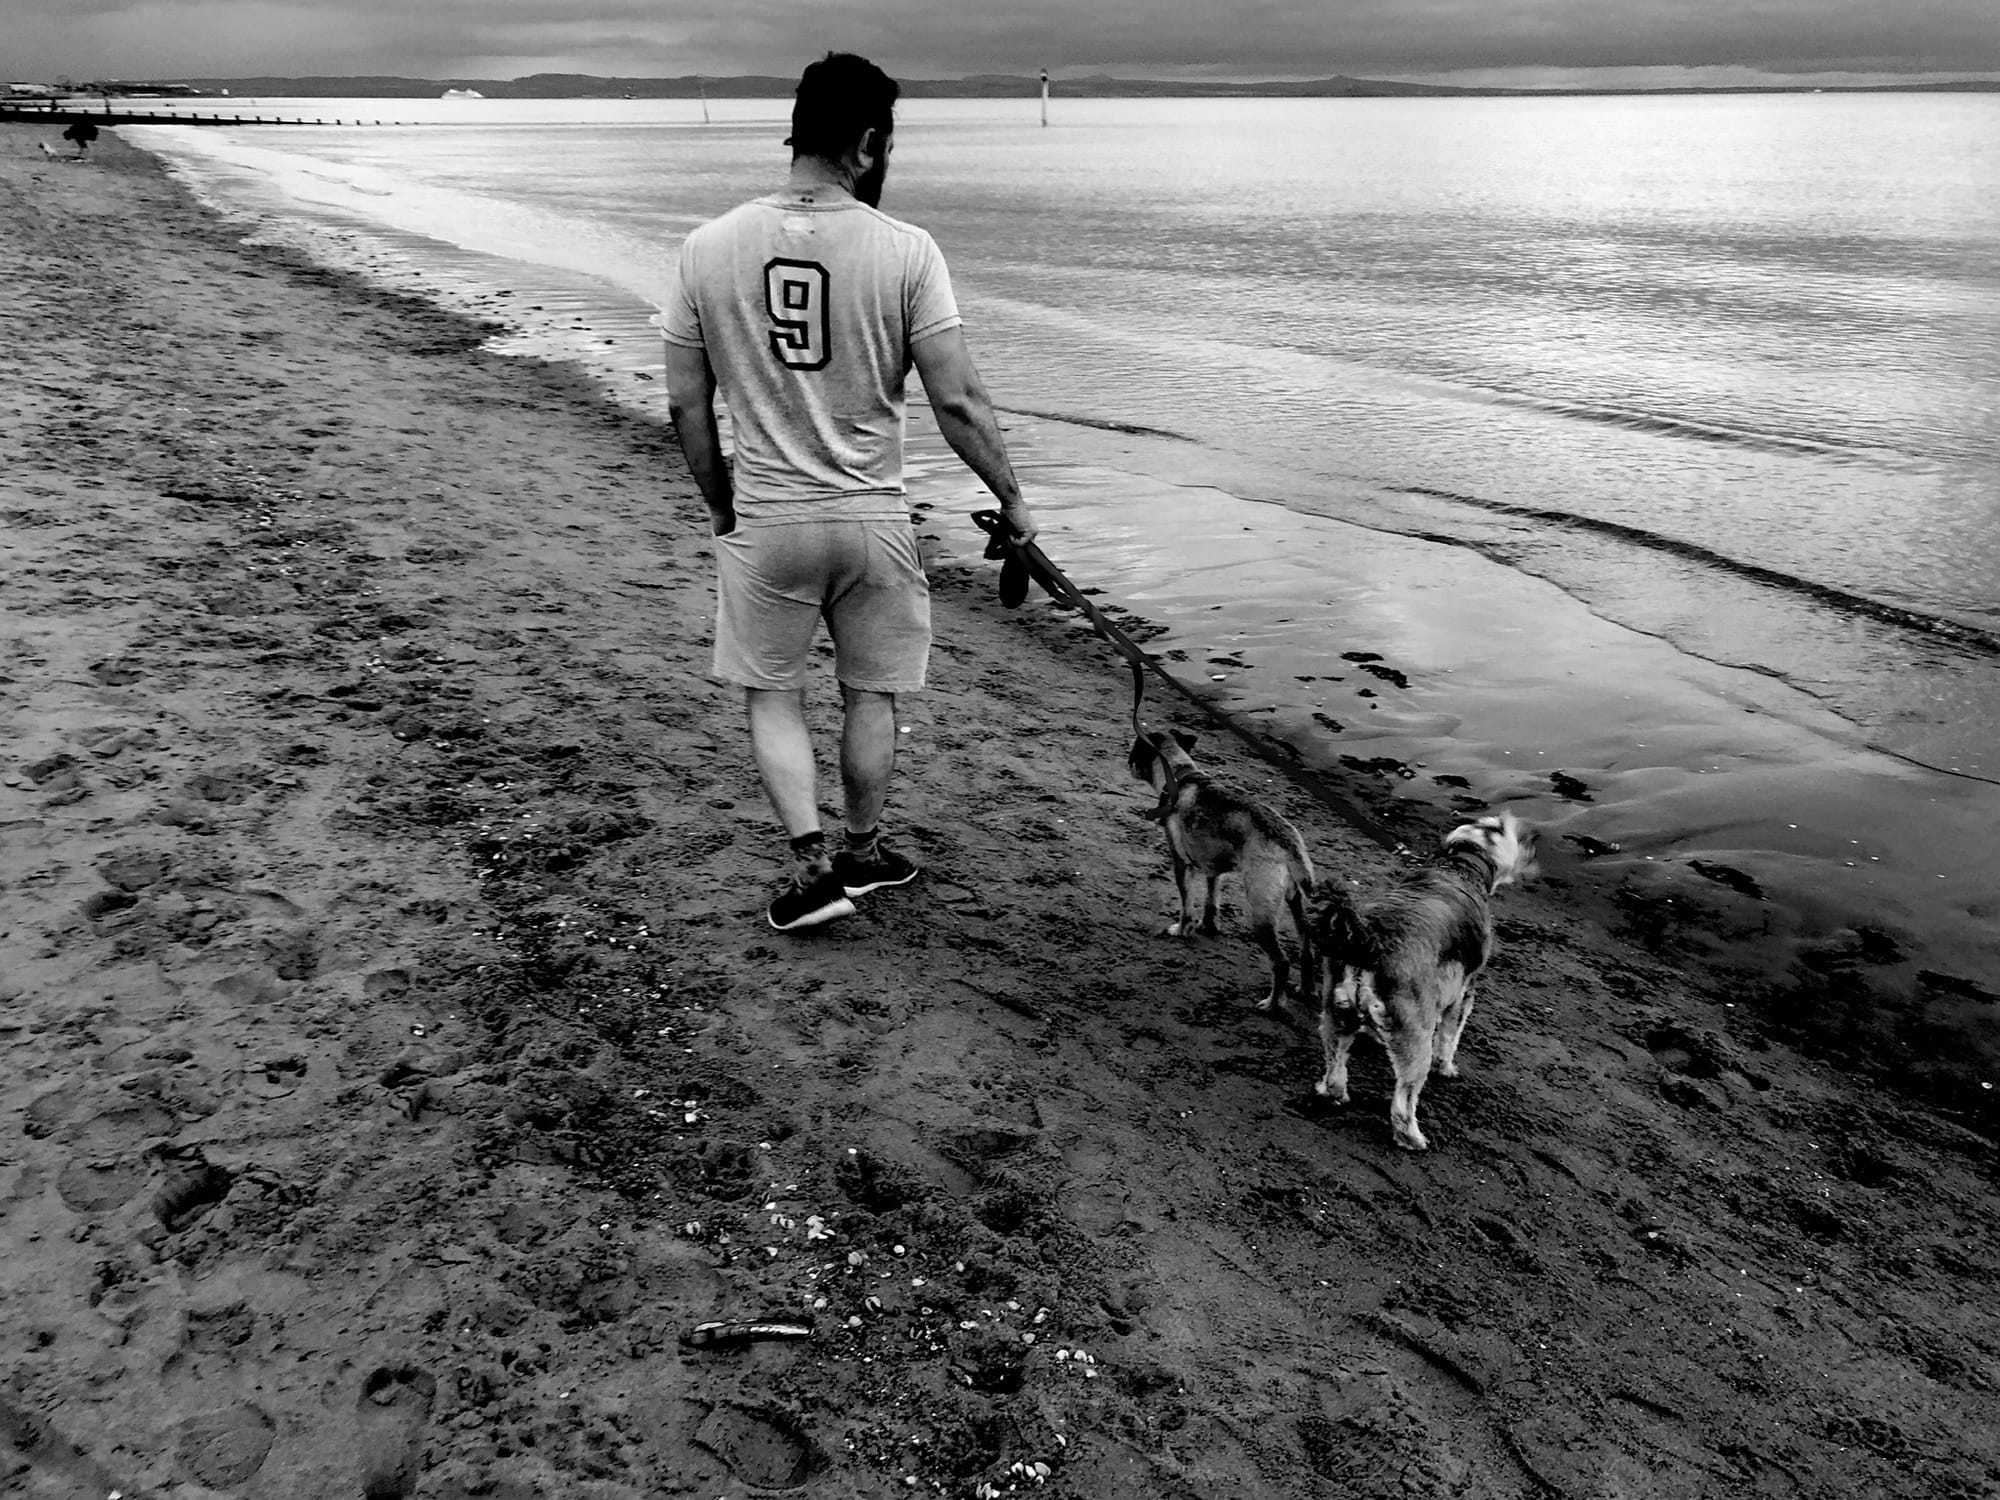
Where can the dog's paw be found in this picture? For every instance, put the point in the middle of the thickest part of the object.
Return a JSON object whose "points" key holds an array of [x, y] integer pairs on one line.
{"points": [[1330, 1093], [1413, 1140], [1445, 1069], [1172, 929]]}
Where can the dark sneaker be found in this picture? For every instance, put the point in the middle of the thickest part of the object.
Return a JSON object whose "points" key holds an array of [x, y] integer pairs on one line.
{"points": [[860, 876], [809, 903]]}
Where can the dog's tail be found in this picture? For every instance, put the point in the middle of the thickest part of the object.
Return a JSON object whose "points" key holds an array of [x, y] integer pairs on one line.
{"points": [[1301, 866], [1304, 884], [1341, 938]]}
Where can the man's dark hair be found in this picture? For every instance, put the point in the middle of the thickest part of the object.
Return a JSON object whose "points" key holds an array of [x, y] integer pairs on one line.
{"points": [[840, 98]]}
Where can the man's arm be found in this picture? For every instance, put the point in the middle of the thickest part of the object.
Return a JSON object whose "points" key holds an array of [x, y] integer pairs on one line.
{"points": [[691, 403], [965, 416]]}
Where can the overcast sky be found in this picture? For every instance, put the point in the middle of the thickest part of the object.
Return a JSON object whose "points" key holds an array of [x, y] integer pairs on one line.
{"points": [[1500, 41]]}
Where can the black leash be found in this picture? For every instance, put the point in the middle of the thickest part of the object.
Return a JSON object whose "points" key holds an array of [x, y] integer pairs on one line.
{"points": [[1022, 561]]}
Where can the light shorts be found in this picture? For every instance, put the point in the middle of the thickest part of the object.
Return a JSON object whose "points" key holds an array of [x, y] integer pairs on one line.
{"points": [[864, 578]]}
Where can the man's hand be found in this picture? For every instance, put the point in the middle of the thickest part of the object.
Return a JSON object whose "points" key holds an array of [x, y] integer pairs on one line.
{"points": [[691, 403], [1017, 515]]}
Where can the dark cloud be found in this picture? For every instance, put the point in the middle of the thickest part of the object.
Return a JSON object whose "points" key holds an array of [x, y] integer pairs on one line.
{"points": [[1243, 38]]}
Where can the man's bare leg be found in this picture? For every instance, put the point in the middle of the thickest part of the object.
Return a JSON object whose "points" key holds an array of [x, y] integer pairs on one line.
{"points": [[784, 754], [867, 762], [867, 756]]}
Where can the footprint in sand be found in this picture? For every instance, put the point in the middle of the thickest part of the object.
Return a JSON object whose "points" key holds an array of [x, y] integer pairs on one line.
{"points": [[764, 1449], [221, 1449], [192, 1185], [29, 1444], [47, 1112], [385, 983], [59, 777], [106, 1168], [395, 1403], [293, 953], [135, 869]]}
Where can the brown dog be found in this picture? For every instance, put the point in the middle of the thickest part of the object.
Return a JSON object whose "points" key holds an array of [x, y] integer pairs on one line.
{"points": [[1401, 966], [1215, 830]]}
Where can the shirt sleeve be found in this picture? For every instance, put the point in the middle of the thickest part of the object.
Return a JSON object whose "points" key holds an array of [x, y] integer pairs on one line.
{"points": [[931, 308], [680, 319]]}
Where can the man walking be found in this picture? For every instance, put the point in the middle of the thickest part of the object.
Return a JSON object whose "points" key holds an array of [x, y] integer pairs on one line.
{"points": [[807, 310]]}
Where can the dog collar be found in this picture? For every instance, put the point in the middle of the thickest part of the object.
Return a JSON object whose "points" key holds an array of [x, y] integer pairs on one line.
{"points": [[1171, 792], [1474, 851]]}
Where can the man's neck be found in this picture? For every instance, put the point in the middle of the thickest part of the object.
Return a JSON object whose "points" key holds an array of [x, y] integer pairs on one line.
{"points": [[815, 178]]}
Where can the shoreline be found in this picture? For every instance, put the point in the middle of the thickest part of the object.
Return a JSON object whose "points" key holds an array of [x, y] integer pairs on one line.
{"points": [[384, 992], [1806, 874]]}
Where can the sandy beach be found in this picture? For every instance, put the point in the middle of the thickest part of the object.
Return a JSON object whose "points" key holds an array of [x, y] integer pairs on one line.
{"points": [[395, 1065]]}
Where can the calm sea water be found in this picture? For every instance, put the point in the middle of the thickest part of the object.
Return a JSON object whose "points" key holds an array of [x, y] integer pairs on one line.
{"points": [[1651, 446]]}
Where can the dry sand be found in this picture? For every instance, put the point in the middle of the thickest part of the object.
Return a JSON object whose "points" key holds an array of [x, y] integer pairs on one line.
{"points": [[394, 1064]]}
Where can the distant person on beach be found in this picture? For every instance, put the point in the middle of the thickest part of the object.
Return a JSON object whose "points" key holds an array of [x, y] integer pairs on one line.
{"points": [[807, 309]]}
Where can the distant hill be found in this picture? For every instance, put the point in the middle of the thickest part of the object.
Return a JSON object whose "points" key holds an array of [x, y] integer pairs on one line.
{"points": [[982, 86], [979, 86]]}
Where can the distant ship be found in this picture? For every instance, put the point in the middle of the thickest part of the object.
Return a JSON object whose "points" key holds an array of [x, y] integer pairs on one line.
{"points": [[461, 94]]}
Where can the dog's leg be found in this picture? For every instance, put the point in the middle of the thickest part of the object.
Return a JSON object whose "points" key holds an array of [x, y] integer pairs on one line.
{"points": [[1185, 876], [1451, 1026], [1264, 894], [1264, 932], [1410, 1053], [1208, 908], [1187, 881], [1269, 895], [1339, 1024]]}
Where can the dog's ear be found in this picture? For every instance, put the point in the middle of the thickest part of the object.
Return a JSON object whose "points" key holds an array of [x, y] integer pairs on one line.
{"points": [[1184, 739]]}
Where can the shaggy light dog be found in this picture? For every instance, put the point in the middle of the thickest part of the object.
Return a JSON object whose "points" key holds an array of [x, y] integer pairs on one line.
{"points": [[1401, 966]]}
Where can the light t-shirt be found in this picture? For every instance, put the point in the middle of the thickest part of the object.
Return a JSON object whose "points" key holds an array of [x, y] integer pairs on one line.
{"points": [[807, 303]]}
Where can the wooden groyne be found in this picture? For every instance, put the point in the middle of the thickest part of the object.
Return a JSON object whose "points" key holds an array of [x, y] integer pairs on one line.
{"points": [[31, 114]]}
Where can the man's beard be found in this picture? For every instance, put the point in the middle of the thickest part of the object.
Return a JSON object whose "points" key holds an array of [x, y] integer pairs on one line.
{"points": [[868, 186]]}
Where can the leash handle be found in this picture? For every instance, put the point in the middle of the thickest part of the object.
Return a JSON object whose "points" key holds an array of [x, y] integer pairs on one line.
{"points": [[1026, 560]]}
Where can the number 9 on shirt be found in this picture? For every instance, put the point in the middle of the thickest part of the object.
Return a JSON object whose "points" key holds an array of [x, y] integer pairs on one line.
{"points": [[795, 296]]}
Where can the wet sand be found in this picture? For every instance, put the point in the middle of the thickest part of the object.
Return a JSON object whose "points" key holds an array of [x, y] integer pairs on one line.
{"points": [[394, 1064]]}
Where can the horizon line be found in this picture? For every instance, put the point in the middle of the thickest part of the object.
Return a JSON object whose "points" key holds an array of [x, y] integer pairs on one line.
{"points": [[784, 84]]}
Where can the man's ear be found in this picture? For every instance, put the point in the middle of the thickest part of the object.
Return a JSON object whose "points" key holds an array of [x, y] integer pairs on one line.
{"points": [[1184, 739]]}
